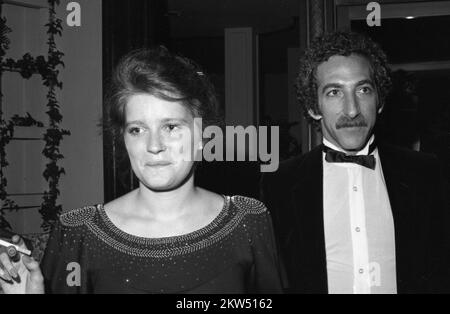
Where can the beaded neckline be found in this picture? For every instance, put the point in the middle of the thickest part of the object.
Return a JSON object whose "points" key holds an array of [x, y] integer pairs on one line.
{"points": [[206, 230]]}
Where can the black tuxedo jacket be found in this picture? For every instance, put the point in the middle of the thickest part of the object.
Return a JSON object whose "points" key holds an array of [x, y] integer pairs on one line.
{"points": [[417, 193]]}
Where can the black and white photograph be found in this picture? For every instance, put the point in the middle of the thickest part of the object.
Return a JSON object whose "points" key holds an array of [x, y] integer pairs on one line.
{"points": [[237, 151]]}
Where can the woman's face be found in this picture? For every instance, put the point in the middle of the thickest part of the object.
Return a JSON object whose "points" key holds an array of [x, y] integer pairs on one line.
{"points": [[162, 141]]}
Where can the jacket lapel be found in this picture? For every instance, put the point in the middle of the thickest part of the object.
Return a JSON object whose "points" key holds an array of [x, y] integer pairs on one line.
{"points": [[309, 238], [400, 199]]}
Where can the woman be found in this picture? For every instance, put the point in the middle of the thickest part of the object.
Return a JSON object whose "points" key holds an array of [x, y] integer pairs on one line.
{"points": [[167, 236]]}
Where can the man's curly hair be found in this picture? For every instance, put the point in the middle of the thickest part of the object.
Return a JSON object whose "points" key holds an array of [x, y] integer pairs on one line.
{"points": [[342, 44]]}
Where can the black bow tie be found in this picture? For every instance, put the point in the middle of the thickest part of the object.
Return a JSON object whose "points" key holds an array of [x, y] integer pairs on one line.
{"points": [[367, 161]]}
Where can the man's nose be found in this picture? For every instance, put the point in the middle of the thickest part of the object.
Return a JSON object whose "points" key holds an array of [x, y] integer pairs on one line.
{"points": [[155, 143], [351, 106]]}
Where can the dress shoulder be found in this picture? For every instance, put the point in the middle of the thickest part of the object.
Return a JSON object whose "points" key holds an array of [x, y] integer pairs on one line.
{"points": [[78, 217], [249, 205]]}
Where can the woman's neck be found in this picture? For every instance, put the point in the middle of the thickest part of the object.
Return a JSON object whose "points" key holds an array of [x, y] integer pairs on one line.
{"points": [[168, 205]]}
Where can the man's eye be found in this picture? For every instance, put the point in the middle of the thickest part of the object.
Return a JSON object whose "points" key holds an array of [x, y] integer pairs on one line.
{"points": [[333, 92], [365, 90]]}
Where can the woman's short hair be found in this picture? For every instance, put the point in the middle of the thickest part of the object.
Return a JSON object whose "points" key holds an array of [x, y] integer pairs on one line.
{"points": [[157, 72], [341, 44]]}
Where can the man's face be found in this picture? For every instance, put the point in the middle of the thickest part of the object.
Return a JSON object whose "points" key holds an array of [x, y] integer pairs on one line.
{"points": [[348, 101]]}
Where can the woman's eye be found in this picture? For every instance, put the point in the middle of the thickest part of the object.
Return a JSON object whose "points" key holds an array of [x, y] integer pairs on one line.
{"points": [[172, 127], [135, 130]]}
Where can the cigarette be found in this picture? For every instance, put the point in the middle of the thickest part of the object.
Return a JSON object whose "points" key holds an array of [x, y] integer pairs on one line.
{"points": [[19, 249]]}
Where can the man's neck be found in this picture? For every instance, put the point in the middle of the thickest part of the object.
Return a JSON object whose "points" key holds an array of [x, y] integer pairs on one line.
{"points": [[363, 151]]}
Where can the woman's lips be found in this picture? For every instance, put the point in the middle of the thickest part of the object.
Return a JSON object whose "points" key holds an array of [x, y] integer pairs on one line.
{"points": [[157, 164]]}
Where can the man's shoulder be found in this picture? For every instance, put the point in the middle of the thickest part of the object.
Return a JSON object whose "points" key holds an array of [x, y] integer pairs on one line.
{"points": [[407, 156], [289, 169]]}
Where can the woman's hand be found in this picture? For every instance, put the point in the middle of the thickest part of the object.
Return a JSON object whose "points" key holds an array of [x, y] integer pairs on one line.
{"points": [[21, 277]]}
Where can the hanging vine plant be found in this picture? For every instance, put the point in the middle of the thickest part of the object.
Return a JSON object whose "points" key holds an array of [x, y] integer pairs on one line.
{"points": [[6, 133], [50, 210], [48, 70]]}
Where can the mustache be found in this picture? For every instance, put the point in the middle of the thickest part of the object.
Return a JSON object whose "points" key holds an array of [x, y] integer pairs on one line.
{"points": [[345, 122]]}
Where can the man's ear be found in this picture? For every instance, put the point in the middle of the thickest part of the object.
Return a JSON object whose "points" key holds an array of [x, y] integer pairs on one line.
{"points": [[380, 109], [313, 115]]}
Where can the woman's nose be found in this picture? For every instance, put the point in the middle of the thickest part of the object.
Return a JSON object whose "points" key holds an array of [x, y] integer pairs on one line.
{"points": [[155, 143]]}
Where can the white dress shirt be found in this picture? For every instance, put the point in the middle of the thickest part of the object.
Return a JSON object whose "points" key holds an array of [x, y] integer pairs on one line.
{"points": [[359, 227]]}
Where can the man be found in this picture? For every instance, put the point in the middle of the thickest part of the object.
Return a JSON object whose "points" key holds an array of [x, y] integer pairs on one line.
{"points": [[354, 215]]}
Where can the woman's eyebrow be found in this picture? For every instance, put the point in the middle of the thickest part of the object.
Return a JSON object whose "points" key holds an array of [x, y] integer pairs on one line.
{"points": [[179, 120], [138, 122], [165, 120]]}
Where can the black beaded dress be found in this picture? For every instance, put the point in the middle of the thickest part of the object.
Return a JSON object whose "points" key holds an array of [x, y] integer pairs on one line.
{"points": [[235, 253]]}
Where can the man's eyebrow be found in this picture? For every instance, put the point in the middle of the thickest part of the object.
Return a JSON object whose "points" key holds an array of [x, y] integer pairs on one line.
{"points": [[337, 85], [366, 81], [331, 85]]}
